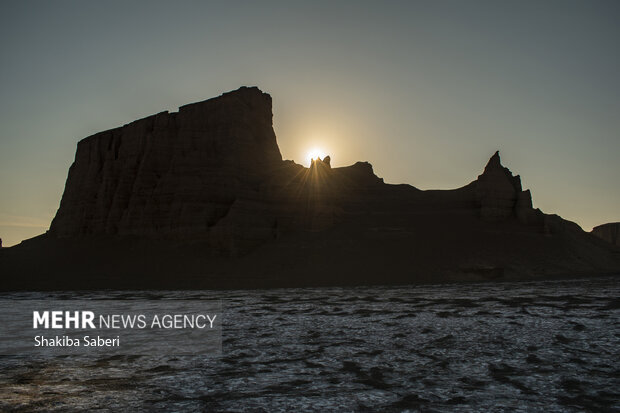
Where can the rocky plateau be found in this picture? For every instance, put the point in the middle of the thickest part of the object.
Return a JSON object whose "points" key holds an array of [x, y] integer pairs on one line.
{"points": [[201, 198]]}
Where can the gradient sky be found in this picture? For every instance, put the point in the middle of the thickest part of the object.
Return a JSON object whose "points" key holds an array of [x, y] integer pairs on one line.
{"points": [[424, 90]]}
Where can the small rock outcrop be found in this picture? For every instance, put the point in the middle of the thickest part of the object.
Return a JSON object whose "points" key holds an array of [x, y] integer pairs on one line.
{"points": [[608, 232]]}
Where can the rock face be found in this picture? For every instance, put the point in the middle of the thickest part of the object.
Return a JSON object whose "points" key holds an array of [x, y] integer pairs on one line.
{"points": [[212, 171], [608, 232], [172, 174], [201, 198]]}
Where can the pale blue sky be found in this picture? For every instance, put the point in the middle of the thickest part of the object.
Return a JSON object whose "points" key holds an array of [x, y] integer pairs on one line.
{"points": [[426, 91]]}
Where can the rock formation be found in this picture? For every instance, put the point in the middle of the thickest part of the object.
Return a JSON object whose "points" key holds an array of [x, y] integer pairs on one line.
{"points": [[609, 232], [499, 194], [171, 174], [201, 198]]}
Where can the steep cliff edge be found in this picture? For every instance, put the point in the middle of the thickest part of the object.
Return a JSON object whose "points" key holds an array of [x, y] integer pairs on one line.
{"points": [[201, 198], [212, 171], [172, 174]]}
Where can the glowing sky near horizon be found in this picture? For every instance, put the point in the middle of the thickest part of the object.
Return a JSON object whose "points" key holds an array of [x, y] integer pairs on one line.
{"points": [[424, 90]]}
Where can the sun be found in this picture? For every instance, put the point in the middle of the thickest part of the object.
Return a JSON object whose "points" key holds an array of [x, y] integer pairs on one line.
{"points": [[315, 153]]}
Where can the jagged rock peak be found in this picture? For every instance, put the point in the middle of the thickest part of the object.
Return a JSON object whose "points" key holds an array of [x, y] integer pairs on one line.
{"points": [[318, 162], [494, 162], [494, 166], [499, 193]]}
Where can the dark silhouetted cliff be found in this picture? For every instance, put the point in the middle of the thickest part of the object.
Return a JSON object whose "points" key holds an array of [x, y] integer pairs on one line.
{"points": [[609, 232], [201, 198]]}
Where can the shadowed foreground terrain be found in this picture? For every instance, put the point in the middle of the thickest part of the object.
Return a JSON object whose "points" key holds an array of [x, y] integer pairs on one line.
{"points": [[521, 347], [201, 198]]}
